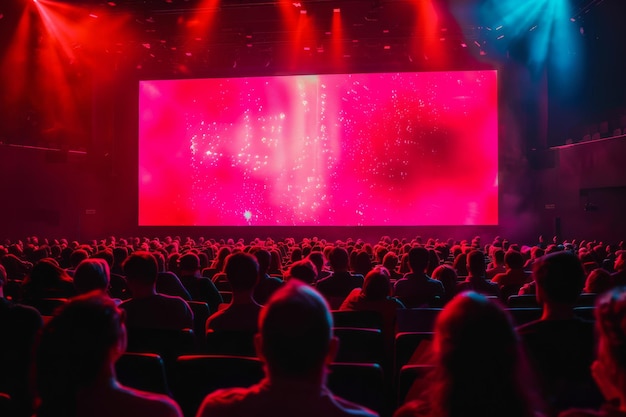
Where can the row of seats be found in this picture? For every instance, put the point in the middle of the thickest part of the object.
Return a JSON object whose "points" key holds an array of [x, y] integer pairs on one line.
{"points": [[194, 376]]}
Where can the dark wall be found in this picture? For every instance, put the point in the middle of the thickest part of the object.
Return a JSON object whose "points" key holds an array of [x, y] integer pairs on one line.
{"points": [[581, 190]]}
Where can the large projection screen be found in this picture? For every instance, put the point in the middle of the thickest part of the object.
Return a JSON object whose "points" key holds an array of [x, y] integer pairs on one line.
{"points": [[396, 149]]}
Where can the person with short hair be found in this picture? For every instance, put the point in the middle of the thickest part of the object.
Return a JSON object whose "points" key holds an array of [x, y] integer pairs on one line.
{"points": [[476, 279], [242, 314], [75, 365], [296, 344], [560, 345], [417, 289], [147, 308]]}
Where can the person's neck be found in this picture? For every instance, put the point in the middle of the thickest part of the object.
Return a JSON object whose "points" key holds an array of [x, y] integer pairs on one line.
{"points": [[557, 311], [143, 292], [244, 297]]}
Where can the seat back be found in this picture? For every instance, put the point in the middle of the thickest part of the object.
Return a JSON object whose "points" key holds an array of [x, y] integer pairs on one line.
{"points": [[143, 371], [416, 319], [195, 376], [405, 348], [361, 383], [412, 380], [362, 319], [525, 300], [239, 343], [358, 345], [523, 315], [201, 313]]}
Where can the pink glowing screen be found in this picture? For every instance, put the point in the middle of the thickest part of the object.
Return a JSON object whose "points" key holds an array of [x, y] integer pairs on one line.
{"points": [[341, 149]]}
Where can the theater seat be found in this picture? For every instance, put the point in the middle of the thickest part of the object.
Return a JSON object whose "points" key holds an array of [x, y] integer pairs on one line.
{"points": [[361, 383], [359, 345], [195, 376], [239, 343], [363, 319], [144, 371]]}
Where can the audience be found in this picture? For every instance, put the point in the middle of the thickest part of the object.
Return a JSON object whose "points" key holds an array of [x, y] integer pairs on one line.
{"points": [[296, 344], [75, 359], [479, 365], [559, 345]]}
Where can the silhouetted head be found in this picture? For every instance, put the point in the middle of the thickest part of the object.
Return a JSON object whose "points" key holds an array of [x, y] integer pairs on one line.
{"points": [[303, 270], [478, 356], [296, 332], [140, 267], [418, 259], [476, 263], [560, 278], [92, 274], [448, 277], [598, 281], [242, 271], [514, 259], [339, 259], [390, 261], [362, 263], [611, 330], [75, 347], [189, 262], [376, 285], [263, 257]]}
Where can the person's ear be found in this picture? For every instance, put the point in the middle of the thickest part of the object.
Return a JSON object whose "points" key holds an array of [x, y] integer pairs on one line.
{"points": [[333, 348], [258, 346]]}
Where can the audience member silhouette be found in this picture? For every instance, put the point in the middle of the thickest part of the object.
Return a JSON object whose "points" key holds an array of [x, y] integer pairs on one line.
{"points": [[559, 344], [619, 276], [167, 282], [598, 281], [447, 276], [242, 272], [609, 366], [147, 308], [514, 277], [390, 262], [479, 365], [376, 296], [296, 344], [200, 288], [75, 365], [416, 289], [319, 260], [48, 280], [267, 285], [303, 270], [92, 275], [476, 280], [337, 286], [498, 264], [18, 326]]}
